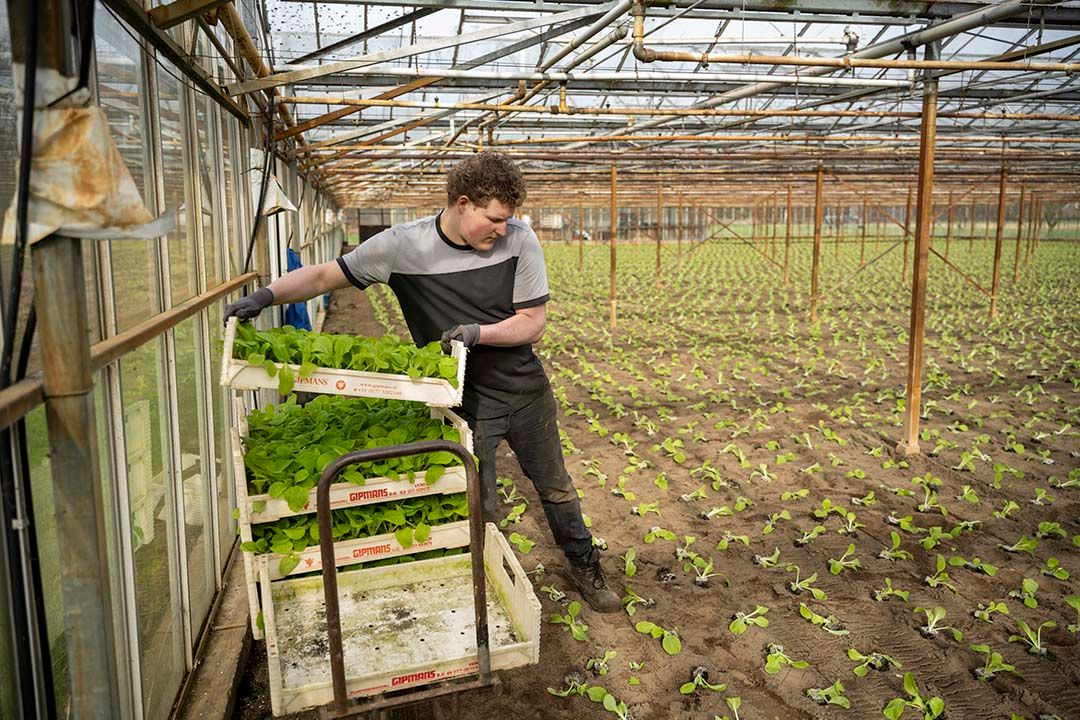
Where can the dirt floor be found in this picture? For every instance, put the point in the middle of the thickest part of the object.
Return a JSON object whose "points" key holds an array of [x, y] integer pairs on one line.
{"points": [[702, 402]]}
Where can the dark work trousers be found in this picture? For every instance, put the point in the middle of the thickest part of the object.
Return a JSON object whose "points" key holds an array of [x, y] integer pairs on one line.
{"points": [[533, 434]]}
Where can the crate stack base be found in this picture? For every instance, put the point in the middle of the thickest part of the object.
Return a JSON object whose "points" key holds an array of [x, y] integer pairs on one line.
{"points": [[402, 626]]}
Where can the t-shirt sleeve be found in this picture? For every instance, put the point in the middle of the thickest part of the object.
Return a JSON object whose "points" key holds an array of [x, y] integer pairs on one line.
{"points": [[371, 261], [530, 279]]}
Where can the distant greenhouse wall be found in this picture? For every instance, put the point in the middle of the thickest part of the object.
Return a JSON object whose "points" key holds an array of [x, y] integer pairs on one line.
{"points": [[162, 418]]}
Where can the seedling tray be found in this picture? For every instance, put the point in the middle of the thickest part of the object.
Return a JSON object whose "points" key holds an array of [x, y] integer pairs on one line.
{"points": [[436, 392], [402, 626]]}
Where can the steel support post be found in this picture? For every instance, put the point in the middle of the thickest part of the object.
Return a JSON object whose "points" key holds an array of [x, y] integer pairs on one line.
{"points": [[1019, 233], [971, 233], [787, 238], [775, 221], [862, 235], [923, 224], [611, 240], [581, 232], [995, 283], [78, 496], [679, 231], [818, 211], [907, 234], [659, 228], [948, 231]]}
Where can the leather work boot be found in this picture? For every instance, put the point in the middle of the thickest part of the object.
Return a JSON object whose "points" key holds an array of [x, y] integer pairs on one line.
{"points": [[589, 579]]}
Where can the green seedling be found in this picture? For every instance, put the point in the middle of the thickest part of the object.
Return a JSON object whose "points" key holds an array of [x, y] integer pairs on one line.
{"points": [[986, 612], [1073, 601], [873, 661], [968, 495], [575, 685], [1050, 530], [659, 533], [579, 630], [794, 495], [700, 679], [1042, 498], [933, 626], [741, 621], [554, 594], [631, 600], [883, 594], [523, 544], [733, 703], [931, 708], [975, 564], [827, 508], [629, 566], [669, 639], [767, 561], [683, 552], [1024, 544], [703, 570], [722, 511], [509, 491], [1033, 638], [929, 484], [851, 525], [728, 538], [776, 659], [904, 524], [599, 665], [994, 664], [1026, 593], [610, 703], [828, 623], [805, 585], [514, 517], [774, 520], [832, 695], [1006, 510], [809, 537], [845, 561], [940, 578], [865, 501], [643, 509], [936, 535], [698, 494], [894, 552]]}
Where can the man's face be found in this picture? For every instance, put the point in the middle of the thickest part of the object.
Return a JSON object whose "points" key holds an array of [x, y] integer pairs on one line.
{"points": [[480, 225]]}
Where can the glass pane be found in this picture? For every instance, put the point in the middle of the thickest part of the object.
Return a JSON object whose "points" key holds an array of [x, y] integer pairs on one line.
{"points": [[134, 274], [208, 145], [222, 403], [231, 223], [177, 181], [153, 529], [192, 415]]}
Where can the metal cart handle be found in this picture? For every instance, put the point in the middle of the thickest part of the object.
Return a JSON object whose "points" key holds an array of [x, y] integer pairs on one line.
{"points": [[329, 567]]}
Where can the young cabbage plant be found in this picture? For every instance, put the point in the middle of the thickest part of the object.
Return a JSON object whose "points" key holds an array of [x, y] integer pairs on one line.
{"points": [[931, 708], [993, 664], [934, 625], [873, 661], [776, 659], [728, 538], [700, 679], [1033, 638], [985, 612], [631, 600], [805, 584], [809, 537], [554, 594], [828, 623], [940, 578], [599, 665], [741, 621], [768, 561], [1050, 530], [669, 639], [578, 629], [832, 695], [1024, 544], [774, 520], [865, 501], [894, 552], [1026, 593], [850, 525], [845, 561], [629, 566], [657, 532], [883, 594], [523, 544], [975, 565], [1073, 601], [643, 509]]}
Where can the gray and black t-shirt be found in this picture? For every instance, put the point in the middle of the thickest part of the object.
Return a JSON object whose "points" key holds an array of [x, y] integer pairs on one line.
{"points": [[440, 285]]}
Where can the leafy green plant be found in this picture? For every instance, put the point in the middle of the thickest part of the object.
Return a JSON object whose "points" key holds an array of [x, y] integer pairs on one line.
{"points": [[827, 508], [940, 578], [523, 544], [894, 552], [828, 623], [631, 600], [1026, 593], [579, 630], [975, 564], [629, 566], [776, 659], [1033, 638], [1006, 510], [832, 695], [805, 584], [1073, 601], [986, 612], [931, 708], [658, 532], [865, 501], [934, 617], [767, 561], [554, 594], [1024, 544], [728, 538], [774, 520], [669, 639], [700, 679], [1050, 530], [845, 561], [968, 495], [850, 525], [599, 665], [809, 537], [993, 664], [883, 594], [741, 621], [873, 661]]}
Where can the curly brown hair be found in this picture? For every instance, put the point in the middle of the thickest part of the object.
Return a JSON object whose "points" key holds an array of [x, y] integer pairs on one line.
{"points": [[483, 176]]}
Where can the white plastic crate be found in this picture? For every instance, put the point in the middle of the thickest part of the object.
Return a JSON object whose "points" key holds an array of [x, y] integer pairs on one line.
{"points": [[374, 490], [402, 626], [242, 375]]}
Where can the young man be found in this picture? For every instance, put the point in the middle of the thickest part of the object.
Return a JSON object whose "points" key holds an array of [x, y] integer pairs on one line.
{"points": [[473, 273]]}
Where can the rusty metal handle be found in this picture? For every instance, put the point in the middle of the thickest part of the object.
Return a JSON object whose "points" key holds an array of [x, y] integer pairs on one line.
{"points": [[329, 567]]}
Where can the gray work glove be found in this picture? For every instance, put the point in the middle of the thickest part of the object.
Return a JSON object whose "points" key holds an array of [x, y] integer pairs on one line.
{"points": [[249, 307], [469, 335]]}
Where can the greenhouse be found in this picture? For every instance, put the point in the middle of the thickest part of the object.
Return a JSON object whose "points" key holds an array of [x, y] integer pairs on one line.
{"points": [[773, 302]]}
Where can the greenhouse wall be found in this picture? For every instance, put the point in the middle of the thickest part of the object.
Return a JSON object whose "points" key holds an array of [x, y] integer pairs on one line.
{"points": [[162, 418]]}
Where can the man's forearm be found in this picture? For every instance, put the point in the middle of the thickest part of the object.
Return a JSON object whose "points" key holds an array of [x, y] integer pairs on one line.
{"points": [[513, 331], [301, 284]]}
